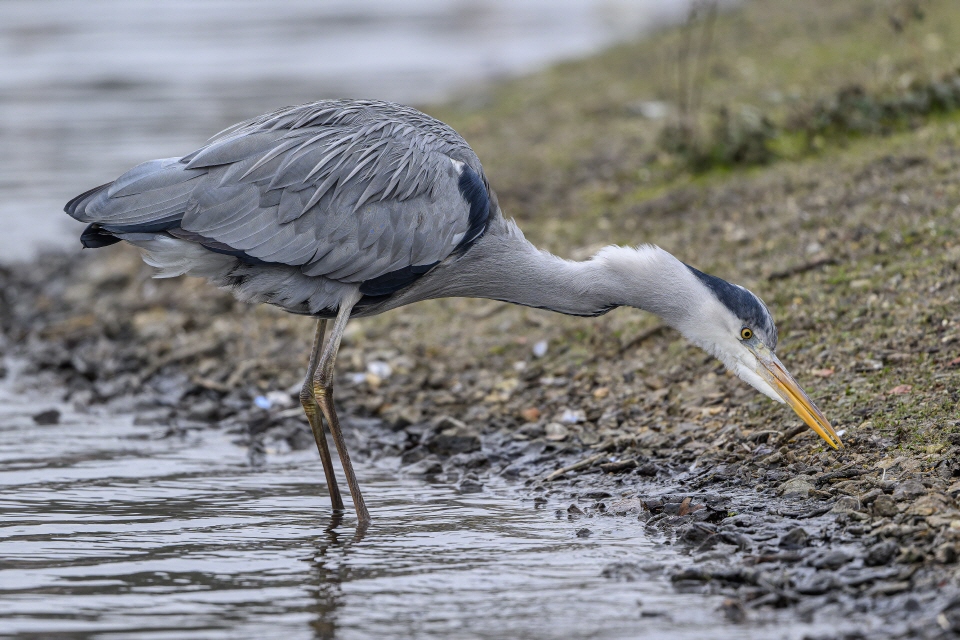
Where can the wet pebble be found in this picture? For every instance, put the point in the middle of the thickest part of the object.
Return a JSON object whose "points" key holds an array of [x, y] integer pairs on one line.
{"points": [[832, 560], [584, 533], [556, 432], [949, 617], [470, 484], [425, 467], [46, 418], [796, 538], [648, 469], [947, 553], [619, 466], [454, 439], [798, 487], [885, 506], [205, 410], [630, 571], [733, 611], [909, 489], [818, 584], [881, 553]]}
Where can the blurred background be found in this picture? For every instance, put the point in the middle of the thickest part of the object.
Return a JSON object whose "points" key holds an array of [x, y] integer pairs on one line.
{"points": [[90, 89]]}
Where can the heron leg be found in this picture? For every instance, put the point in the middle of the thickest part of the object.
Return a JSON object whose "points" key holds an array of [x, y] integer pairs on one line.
{"points": [[323, 391], [312, 409]]}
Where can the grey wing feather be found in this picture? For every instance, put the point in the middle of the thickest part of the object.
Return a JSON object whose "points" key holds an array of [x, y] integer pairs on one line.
{"points": [[349, 190]]}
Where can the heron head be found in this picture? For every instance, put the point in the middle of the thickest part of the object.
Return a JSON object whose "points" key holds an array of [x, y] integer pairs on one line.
{"points": [[735, 325]]}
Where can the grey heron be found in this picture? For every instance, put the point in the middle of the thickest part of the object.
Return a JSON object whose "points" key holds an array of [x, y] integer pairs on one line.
{"points": [[348, 208]]}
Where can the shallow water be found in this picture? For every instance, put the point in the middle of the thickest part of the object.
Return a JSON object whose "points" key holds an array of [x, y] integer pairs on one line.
{"points": [[112, 530], [88, 90]]}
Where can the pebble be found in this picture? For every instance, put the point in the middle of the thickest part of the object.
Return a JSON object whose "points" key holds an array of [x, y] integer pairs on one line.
{"points": [[380, 369], [46, 418], [796, 538], [881, 553], [798, 487], [425, 467], [539, 348], [949, 617], [530, 414], [832, 560], [556, 432], [573, 416], [909, 489], [885, 506], [470, 485]]}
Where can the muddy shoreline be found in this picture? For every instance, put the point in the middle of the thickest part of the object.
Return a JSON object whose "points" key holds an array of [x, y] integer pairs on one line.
{"points": [[771, 519]]}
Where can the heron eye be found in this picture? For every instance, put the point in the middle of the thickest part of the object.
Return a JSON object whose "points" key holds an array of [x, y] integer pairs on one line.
{"points": [[746, 333]]}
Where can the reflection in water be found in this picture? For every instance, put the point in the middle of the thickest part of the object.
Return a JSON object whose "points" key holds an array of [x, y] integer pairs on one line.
{"points": [[112, 529]]}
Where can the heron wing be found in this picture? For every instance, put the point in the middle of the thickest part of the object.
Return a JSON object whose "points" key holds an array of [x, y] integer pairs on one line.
{"points": [[356, 191]]}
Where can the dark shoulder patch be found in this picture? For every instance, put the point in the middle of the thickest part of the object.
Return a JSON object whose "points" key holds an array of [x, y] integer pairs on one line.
{"points": [[390, 283], [744, 304], [474, 191]]}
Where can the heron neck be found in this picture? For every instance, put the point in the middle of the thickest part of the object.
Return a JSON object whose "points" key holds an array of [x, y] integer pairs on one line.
{"points": [[504, 266]]}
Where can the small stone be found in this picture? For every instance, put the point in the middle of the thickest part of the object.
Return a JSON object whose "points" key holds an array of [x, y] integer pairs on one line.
{"points": [[889, 588], [574, 510], [911, 555], [818, 584], [881, 553], [846, 504], [629, 571], [280, 399], [832, 560], [619, 466], [540, 348], [796, 538], [946, 553], [601, 392], [949, 618], [909, 489], [413, 455], [556, 432], [403, 417], [799, 487], [470, 485], [204, 411], [455, 437], [733, 611], [584, 533], [648, 469], [530, 414], [823, 373], [573, 416], [425, 467], [380, 369], [885, 506], [48, 417], [900, 390]]}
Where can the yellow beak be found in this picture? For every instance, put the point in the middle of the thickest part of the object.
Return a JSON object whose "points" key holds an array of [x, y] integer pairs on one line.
{"points": [[772, 370]]}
